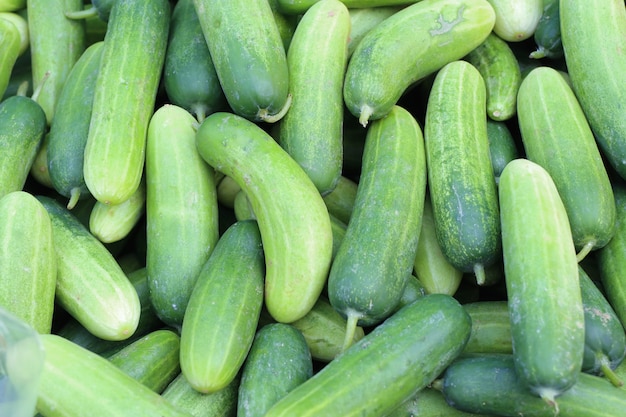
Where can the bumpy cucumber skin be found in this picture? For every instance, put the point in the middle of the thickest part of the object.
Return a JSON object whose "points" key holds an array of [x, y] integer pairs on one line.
{"points": [[406, 353], [70, 126], [186, 399], [181, 206], [279, 361], [312, 130], [124, 98], [372, 264], [551, 124], [224, 309], [72, 372], [28, 263], [248, 54], [460, 175], [292, 217], [593, 34], [516, 20], [541, 270], [22, 129], [385, 63]]}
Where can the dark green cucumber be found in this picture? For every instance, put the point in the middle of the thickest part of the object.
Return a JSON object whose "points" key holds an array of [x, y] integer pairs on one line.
{"points": [[372, 264], [189, 76], [491, 327], [70, 126], [222, 403], [552, 123], [547, 34], [340, 201], [22, 129], [386, 367], [502, 146], [279, 361], [249, 57], [541, 274], [224, 308], [312, 130], [463, 192]]}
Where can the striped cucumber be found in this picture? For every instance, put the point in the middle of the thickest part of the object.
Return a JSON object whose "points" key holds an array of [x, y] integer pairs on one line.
{"points": [[541, 270], [312, 130], [124, 98], [386, 61], [463, 192], [181, 206], [292, 217], [516, 20], [552, 123]]}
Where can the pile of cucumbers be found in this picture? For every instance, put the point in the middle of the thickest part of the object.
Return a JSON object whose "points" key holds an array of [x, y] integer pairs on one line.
{"points": [[316, 207]]}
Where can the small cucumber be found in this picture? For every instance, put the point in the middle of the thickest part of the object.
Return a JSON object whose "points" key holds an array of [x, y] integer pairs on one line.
{"points": [[222, 403], [124, 98], [279, 361], [386, 61], [249, 57], [9, 51], [181, 206], [491, 327], [223, 310], [312, 130], [463, 192], [541, 274], [292, 217], [552, 123], [547, 34], [386, 367], [372, 264], [28, 263], [516, 20], [502, 146]]}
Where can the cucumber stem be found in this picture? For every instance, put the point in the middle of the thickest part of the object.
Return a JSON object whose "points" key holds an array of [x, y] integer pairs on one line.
{"points": [[22, 89], [264, 116], [366, 113], [199, 110], [549, 395], [538, 54], [351, 324], [74, 197], [584, 251], [607, 371], [82, 14], [479, 271], [38, 90]]}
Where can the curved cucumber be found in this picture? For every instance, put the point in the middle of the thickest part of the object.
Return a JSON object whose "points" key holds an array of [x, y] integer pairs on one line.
{"points": [[292, 217]]}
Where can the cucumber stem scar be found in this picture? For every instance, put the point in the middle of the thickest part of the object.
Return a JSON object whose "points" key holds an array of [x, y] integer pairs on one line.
{"points": [[264, 116]]}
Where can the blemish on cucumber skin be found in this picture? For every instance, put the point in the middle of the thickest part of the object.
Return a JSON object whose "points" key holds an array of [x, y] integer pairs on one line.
{"points": [[445, 26]]}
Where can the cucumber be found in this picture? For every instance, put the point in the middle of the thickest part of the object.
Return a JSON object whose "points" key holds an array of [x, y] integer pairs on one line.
{"points": [[53, 56], [489, 384], [516, 20], [222, 403], [189, 77], [71, 372], [181, 206], [491, 327], [12, 5], [312, 130], [497, 63], [362, 20], [547, 34], [552, 123], [22, 129], [340, 201], [242, 208], [372, 265], [442, 31], [10, 48], [278, 362], [463, 193], [19, 20], [227, 191], [298, 7], [39, 169], [502, 146], [541, 270], [386, 367], [249, 57], [223, 310], [414, 289], [124, 98], [429, 402], [592, 34], [108, 306], [286, 23], [28, 266], [69, 127], [292, 217]]}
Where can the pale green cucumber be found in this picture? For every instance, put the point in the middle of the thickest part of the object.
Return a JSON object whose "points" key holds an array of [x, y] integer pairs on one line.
{"points": [[516, 20], [9, 51], [362, 20], [183, 396]]}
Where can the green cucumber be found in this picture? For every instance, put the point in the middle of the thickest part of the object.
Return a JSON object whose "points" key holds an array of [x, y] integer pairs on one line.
{"points": [[489, 384], [552, 123], [10, 48], [541, 270], [28, 263], [76, 383], [491, 327], [12, 5], [227, 191], [547, 34], [414, 289], [292, 217], [387, 62], [386, 367], [500, 70], [222, 403], [312, 130], [181, 206], [39, 169], [249, 57], [372, 264], [516, 20], [70, 127], [502, 146], [242, 208], [429, 402], [223, 310], [124, 98], [299, 7], [19, 20], [286, 23], [463, 192], [279, 361], [340, 201], [189, 76], [53, 56], [90, 284], [362, 20], [22, 130], [593, 35]]}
